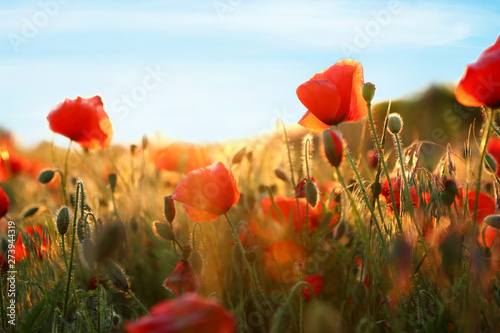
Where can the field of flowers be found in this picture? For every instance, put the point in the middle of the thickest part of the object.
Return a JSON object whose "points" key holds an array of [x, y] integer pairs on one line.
{"points": [[299, 231]]}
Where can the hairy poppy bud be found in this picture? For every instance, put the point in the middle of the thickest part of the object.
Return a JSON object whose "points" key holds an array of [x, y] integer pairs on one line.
{"points": [[169, 208], [117, 276], [493, 221], [395, 123], [112, 181], [62, 220], [281, 175], [46, 176], [163, 230], [333, 147], [311, 193], [368, 91]]}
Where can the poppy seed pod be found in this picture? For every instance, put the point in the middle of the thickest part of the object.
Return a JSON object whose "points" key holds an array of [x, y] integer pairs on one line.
{"points": [[169, 208], [368, 91], [333, 147], [62, 220], [395, 123]]}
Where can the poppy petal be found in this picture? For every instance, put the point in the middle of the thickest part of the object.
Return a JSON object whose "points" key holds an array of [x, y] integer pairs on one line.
{"points": [[321, 98], [312, 123]]}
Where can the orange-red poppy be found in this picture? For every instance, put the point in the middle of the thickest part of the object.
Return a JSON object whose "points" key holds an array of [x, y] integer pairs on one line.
{"points": [[480, 84], [485, 205], [396, 187], [490, 236], [189, 313], [207, 192], [4, 203], [493, 148], [82, 120], [333, 96], [182, 157], [288, 208], [183, 279], [317, 283]]}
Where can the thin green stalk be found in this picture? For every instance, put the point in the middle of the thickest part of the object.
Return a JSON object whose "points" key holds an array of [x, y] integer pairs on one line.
{"points": [[64, 176], [367, 201], [481, 160], [384, 165], [306, 157], [79, 189], [301, 305], [64, 252], [253, 283], [292, 178], [131, 294], [1, 306]]}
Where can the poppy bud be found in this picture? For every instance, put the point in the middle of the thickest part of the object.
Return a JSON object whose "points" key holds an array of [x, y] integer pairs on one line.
{"points": [[281, 175], [333, 147], [490, 164], [196, 262], [311, 193], [493, 221], [395, 123], [163, 230], [169, 208], [30, 212], [62, 220], [238, 157], [46, 176], [250, 255], [117, 276], [145, 142], [186, 251], [112, 181], [368, 91], [109, 240]]}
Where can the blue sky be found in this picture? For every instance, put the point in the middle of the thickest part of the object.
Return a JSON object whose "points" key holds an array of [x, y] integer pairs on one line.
{"points": [[208, 71]]}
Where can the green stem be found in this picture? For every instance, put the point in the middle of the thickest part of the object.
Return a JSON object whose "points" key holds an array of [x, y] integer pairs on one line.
{"points": [[131, 294], [79, 189], [384, 166], [481, 160], [64, 252], [253, 283]]}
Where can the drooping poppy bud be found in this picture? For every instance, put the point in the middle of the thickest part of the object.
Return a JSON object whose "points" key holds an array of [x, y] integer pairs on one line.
{"points": [[163, 230], [333, 147], [46, 176]]}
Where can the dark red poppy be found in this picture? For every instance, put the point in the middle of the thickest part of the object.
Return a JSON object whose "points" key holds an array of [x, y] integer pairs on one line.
{"points": [[189, 313], [4, 203], [207, 192], [333, 96], [485, 205], [493, 148], [183, 279], [82, 120], [317, 283], [182, 157], [480, 84], [288, 208]]}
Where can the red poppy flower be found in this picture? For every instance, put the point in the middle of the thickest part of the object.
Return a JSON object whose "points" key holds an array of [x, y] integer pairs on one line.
{"points": [[396, 187], [40, 243], [4, 203], [183, 279], [485, 205], [493, 148], [82, 120], [480, 84], [207, 192], [317, 283], [333, 96], [189, 313], [280, 257], [490, 236], [288, 207], [182, 157]]}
